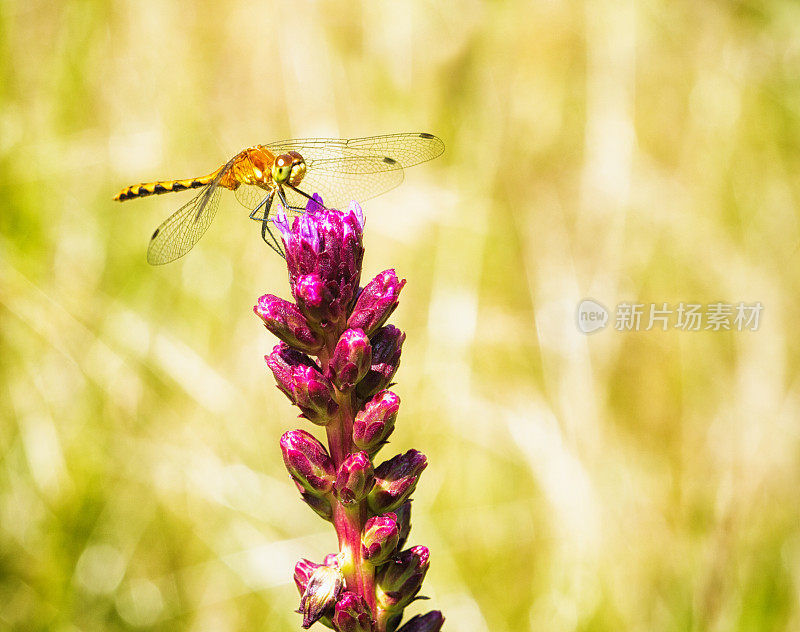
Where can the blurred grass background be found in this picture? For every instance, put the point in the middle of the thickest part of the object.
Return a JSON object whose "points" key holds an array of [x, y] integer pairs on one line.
{"points": [[627, 151]]}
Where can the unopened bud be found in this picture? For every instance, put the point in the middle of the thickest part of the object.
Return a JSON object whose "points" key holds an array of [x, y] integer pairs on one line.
{"points": [[376, 302], [352, 614], [313, 298], [430, 622], [320, 504], [403, 513], [351, 359], [308, 462], [284, 320], [387, 343], [395, 481], [355, 478], [399, 580], [380, 537], [303, 383], [331, 559], [302, 573], [375, 421], [321, 592]]}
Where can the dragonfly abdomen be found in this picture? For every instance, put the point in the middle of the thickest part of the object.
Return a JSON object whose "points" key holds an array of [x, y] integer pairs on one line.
{"points": [[162, 186]]}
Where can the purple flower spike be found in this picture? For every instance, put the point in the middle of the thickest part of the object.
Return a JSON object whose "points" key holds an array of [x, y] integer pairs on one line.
{"points": [[354, 479], [351, 359], [308, 462], [336, 360], [302, 382], [430, 622], [320, 595], [380, 538], [374, 423], [399, 581], [387, 343], [376, 302], [352, 614], [395, 481], [284, 320]]}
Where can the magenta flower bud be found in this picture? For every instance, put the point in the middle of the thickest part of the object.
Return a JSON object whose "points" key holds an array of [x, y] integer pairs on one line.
{"points": [[376, 302], [380, 538], [305, 568], [300, 379], [320, 504], [322, 589], [387, 344], [403, 513], [331, 559], [375, 421], [399, 580], [308, 462], [395, 481], [284, 320], [430, 622], [326, 243], [355, 478], [302, 573], [351, 359], [352, 614], [312, 298]]}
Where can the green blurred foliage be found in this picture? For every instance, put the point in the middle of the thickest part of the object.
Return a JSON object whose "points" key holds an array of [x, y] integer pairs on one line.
{"points": [[623, 151]]}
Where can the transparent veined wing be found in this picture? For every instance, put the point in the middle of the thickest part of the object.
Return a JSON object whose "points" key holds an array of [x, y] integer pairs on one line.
{"points": [[340, 180], [250, 196], [406, 150], [182, 230]]}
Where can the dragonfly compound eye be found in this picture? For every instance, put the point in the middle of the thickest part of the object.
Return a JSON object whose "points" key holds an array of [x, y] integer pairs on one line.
{"points": [[282, 168], [298, 169]]}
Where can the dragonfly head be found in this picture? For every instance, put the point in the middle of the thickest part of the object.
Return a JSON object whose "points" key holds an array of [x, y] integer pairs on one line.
{"points": [[289, 169]]}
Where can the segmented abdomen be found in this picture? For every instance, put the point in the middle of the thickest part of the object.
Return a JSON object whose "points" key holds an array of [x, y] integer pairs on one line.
{"points": [[164, 186]]}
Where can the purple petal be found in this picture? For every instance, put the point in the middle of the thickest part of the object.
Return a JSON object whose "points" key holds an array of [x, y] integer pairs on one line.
{"points": [[281, 221]]}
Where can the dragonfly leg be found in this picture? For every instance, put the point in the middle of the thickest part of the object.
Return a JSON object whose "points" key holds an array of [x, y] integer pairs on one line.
{"points": [[285, 202], [272, 240], [296, 190], [267, 235], [267, 201]]}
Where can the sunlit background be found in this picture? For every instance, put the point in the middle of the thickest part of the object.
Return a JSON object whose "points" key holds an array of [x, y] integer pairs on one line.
{"points": [[622, 151]]}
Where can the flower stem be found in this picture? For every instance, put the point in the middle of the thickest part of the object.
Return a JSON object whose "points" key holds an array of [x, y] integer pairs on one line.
{"points": [[359, 575], [348, 520]]}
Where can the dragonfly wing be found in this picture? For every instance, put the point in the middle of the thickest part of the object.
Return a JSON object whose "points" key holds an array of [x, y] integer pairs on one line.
{"points": [[340, 180], [182, 230], [250, 196], [406, 150]]}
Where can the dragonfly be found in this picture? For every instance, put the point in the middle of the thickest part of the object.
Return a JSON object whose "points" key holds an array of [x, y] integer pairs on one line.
{"points": [[289, 171]]}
